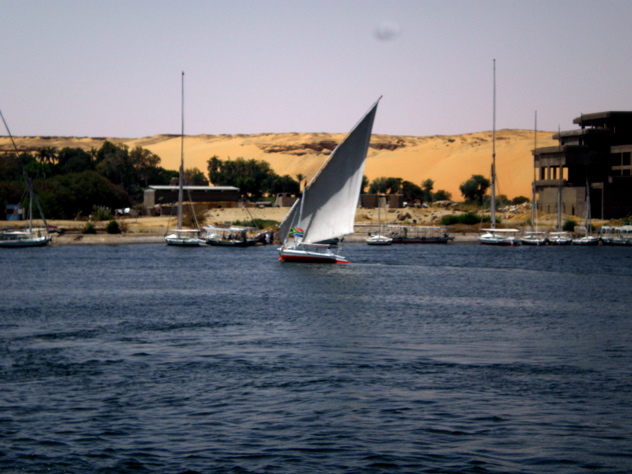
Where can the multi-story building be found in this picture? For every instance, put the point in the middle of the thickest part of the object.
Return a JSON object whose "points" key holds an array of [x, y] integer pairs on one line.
{"points": [[595, 158]]}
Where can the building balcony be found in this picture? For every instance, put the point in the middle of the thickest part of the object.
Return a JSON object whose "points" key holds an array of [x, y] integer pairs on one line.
{"points": [[550, 183]]}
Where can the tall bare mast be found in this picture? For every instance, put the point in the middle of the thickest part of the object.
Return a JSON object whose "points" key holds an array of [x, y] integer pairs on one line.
{"points": [[493, 190], [181, 177], [535, 146]]}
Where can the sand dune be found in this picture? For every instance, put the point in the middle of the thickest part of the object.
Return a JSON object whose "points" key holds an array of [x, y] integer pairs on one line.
{"points": [[448, 160]]}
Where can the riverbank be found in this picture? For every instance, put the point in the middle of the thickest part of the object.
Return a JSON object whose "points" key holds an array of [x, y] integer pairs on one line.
{"points": [[151, 230]]}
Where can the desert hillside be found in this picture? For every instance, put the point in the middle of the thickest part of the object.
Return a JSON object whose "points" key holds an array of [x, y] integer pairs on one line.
{"points": [[448, 160]]}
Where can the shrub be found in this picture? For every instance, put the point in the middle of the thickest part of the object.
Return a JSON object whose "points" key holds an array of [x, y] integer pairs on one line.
{"points": [[113, 227], [101, 213], [468, 218], [519, 200], [259, 223], [89, 229], [442, 195], [569, 225]]}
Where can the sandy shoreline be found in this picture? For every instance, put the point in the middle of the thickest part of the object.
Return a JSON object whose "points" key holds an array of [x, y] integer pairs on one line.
{"points": [[151, 230], [132, 239]]}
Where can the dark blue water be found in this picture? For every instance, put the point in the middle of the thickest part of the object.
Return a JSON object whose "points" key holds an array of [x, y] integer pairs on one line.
{"points": [[442, 359]]}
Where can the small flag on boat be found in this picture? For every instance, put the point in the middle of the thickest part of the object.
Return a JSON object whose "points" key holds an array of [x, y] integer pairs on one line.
{"points": [[296, 232]]}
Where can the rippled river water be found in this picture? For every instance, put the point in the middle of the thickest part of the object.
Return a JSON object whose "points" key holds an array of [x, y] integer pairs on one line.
{"points": [[442, 359]]}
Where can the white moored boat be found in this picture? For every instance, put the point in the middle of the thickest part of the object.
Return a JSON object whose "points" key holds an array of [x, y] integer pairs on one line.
{"points": [[379, 238], [534, 237], [560, 238], [506, 237], [621, 236], [325, 213]]}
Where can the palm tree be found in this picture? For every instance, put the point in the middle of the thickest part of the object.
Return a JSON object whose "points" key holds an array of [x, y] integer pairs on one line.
{"points": [[47, 154], [300, 177]]}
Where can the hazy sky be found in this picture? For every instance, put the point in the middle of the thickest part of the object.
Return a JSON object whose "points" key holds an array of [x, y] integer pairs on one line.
{"points": [[113, 68]]}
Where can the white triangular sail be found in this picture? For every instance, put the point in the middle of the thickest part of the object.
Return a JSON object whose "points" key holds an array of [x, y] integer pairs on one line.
{"points": [[329, 201], [288, 222]]}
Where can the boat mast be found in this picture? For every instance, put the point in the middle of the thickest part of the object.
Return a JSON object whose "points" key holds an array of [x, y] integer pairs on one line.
{"points": [[559, 191], [535, 145], [379, 223], [493, 190], [181, 177]]}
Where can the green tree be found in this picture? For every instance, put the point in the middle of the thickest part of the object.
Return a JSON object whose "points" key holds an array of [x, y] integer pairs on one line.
{"points": [[300, 177], [252, 177], [502, 200], [194, 177], [66, 196], [10, 167], [427, 186], [474, 189], [144, 163], [442, 195], [73, 160], [114, 163], [365, 183], [411, 191], [282, 184], [385, 185], [47, 154]]}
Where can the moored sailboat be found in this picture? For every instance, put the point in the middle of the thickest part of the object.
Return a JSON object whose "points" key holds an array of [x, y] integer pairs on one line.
{"points": [[180, 236], [31, 236], [493, 236], [587, 239], [533, 236], [560, 237], [379, 239], [325, 213]]}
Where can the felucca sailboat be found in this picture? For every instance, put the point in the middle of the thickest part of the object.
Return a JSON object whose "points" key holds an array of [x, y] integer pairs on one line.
{"points": [[325, 213]]}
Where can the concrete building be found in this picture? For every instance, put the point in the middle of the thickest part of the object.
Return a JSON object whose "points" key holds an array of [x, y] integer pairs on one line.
{"points": [[596, 156]]}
